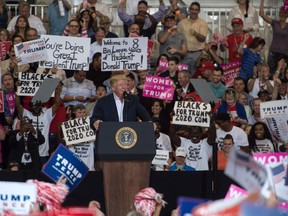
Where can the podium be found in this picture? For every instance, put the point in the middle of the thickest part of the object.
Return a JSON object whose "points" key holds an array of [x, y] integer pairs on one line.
{"points": [[126, 150]]}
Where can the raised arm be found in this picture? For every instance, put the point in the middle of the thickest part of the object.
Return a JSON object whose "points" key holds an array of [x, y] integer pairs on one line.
{"points": [[262, 14]]}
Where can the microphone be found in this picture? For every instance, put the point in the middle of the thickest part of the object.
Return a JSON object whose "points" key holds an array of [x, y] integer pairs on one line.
{"points": [[126, 96]]}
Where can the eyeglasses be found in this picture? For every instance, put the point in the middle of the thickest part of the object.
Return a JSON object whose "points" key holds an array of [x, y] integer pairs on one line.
{"points": [[230, 91]]}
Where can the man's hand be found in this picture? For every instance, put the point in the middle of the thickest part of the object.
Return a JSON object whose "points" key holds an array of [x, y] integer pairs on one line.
{"points": [[96, 124]]}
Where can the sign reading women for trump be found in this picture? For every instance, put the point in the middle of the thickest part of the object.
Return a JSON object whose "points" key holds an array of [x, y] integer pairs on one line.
{"points": [[163, 64], [29, 83], [158, 87], [124, 53], [192, 113], [64, 163], [77, 131], [71, 53], [17, 197], [30, 51], [275, 114]]}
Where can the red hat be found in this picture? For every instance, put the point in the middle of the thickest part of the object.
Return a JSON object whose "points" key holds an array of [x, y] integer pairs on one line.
{"points": [[237, 21], [207, 66]]}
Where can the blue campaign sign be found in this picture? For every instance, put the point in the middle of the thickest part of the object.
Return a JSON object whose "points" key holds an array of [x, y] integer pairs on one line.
{"points": [[64, 162], [187, 204]]}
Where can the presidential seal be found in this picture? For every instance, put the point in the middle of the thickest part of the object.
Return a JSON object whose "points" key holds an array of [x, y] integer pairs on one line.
{"points": [[126, 137]]}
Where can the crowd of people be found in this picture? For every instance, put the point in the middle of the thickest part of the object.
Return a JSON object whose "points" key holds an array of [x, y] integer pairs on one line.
{"points": [[183, 40]]}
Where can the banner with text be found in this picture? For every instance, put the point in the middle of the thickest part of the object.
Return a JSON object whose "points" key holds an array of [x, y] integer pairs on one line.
{"points": [[124, 53], [231, 71], [71, 53], [77, 131], [161, 157], [4, 49], [275, 114], [163, 65], [158, 87], [150, 44], [17, 197], [234, 192], [31, 51], [29, 83], [64, 162], [191, 113]]}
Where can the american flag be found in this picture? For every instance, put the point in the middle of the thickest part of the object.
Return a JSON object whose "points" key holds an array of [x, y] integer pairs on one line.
{"points": [[22, 47], [278, 173]]}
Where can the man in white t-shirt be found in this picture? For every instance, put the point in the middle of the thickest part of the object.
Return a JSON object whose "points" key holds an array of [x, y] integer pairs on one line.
{"points": [[45, 116], [198, 151], [225, 127]]}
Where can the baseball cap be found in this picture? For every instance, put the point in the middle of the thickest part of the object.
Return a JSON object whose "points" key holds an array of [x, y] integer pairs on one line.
{"points": [[169, 16], [180, 151], [237, 21], [207, 66], [104, 19]]}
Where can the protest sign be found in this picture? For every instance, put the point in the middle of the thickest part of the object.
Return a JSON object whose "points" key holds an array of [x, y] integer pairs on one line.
{"points": [[71, 53], [64, 162], [4, 49], [30, 51], [17, 197], [231, 71], [163, 65], [243, 169], [275, 115], [161, 157], [29, 83], [235, 192], [124, 53], [85, 152], [77, 131], [158, 87], [1, 102], [150, 44], [10, 98], [192, 113], [187, 204], [271, 158]]}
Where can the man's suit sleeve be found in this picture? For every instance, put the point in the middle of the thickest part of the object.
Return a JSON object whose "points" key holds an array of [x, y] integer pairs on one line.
{"points": [[97, 113], [141, 111]]}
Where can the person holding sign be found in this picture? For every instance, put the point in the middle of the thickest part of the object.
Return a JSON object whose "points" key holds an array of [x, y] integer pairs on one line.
{"points": [[23, 144], [118, 106]]}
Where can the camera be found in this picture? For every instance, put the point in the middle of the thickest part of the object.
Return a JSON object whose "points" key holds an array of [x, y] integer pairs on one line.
{"points": [[27, 121]]}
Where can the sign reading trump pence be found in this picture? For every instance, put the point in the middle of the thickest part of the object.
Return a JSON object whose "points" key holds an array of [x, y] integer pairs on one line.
{"points": [[77, 131], [192, 113], [124, 53], [158, 87], [71, 53], [30, 51], [65, 163]]}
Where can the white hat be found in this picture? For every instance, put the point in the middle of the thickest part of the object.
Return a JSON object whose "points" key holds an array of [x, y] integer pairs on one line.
{"points": [[180, 151]]}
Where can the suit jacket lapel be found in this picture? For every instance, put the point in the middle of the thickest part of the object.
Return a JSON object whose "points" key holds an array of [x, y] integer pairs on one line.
{"points": [[114, 108]]}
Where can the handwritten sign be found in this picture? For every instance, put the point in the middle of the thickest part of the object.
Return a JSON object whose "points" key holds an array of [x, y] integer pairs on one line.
{"points": [[163, 65], [71, 53], [124, 53], [64, 162], [30, 51], [77, 131], [243, 169], [1, 102], [150, 44], [158, 87], [230, 72], [17, 197], [275, 114], [191, 113], [30, 83], [161, 157], [4, 49], [85, 152]]}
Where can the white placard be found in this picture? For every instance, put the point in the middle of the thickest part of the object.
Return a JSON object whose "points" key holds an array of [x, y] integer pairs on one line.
{"points": [[124, 53], [192, 113], [29, 83], [17, 197], [161, 157], [31, 51], [71, 53], [77, 131]]}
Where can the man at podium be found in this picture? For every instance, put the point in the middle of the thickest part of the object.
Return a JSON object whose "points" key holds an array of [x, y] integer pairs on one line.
{"points": [[118, 106]]}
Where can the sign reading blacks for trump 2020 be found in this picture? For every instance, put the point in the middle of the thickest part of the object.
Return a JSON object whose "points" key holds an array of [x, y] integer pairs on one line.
{"points": [[77, 131], [192, 113], [124, 53], [158, 87], [29, 83], [17, 197], [71, 53], [30, 51], [65, 163]]}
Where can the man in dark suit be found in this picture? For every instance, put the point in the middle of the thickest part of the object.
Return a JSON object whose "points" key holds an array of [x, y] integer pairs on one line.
{"points": [[118, 106]]}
